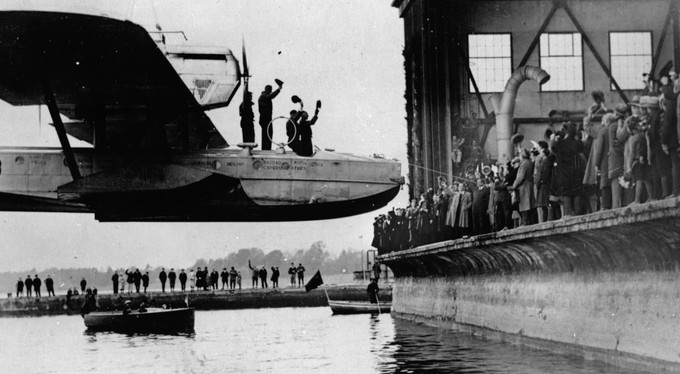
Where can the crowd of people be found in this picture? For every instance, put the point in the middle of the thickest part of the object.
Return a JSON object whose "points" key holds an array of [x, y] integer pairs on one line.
{"points": [[620, 155], [259, 273], [33, 286], [201, 279]]}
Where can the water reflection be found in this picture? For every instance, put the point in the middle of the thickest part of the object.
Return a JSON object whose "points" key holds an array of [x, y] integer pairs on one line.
{"points": [[423, 349]]}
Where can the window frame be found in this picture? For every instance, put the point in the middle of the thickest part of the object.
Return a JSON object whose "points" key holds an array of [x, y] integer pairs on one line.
{"points": [[611, 66], [471, 90], [540, 56]]}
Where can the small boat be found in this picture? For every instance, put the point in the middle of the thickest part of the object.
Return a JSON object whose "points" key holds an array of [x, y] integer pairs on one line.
{"points": [[155, 320], [357, 307]]}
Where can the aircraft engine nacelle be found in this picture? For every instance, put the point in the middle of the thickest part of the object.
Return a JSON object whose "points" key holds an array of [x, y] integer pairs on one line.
{"points": [[212, 74]]}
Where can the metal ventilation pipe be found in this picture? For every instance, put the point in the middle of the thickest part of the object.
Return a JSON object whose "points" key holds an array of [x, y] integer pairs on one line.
{"points": [[507, 107]]}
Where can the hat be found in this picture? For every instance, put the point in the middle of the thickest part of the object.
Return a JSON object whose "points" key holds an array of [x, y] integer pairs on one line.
{"points": [[621, 110], [597, 95], [649, 102], [128, 302], [517, 138], [635, 101], [516, 159]]}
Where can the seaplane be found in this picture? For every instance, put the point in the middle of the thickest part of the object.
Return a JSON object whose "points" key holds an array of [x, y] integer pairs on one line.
{"points": [[155, 155]]}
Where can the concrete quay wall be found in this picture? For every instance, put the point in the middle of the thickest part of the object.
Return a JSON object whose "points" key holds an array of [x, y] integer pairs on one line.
{"points": [[203, 300], [605, 286]]}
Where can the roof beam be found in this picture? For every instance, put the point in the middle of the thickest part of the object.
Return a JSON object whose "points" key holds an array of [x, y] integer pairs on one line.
{"points": [[540, 31], [590, 45]]}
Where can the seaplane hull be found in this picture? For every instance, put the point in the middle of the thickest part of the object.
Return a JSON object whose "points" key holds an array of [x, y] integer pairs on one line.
{"points": [[219, 185]]}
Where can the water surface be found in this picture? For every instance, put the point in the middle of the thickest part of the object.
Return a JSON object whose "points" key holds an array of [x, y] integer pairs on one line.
{"points": [[282, 340]]}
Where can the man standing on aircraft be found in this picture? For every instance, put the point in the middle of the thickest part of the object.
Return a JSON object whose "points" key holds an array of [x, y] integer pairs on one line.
{"points": [[162, 277], [292, 130], [172, 276], [305, 130], [264, 105], [245, 110]]}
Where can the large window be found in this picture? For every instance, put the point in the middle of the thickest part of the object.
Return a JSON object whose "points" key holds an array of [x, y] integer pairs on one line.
{"points": [[562, 58], [490, 61], [630, 56]]}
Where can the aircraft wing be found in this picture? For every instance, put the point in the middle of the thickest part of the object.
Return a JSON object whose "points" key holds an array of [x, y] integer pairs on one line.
{"points": [[102, 71]]}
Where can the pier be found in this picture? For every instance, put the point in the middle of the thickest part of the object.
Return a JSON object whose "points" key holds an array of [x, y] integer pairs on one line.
{"points": [[201, 300], [604, 285]]}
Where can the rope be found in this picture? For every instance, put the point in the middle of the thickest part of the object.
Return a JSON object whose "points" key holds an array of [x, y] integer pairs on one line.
{"points": [[440, 172]]}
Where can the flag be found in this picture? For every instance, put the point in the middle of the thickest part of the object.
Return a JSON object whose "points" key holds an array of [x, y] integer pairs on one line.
{"points": [[315, 282]]}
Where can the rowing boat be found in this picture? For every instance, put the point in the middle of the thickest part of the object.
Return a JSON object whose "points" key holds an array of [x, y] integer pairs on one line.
{"points": [[357, 307], [156, 320]]}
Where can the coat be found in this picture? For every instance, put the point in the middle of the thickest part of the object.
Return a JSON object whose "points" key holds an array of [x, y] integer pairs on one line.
{"points": [[636, 147], [524, 185], [617, 139], [542, 177], [568, 171], [600, 155], [590, 177], [465, 205], [659, 161], [452, 212], [669, 130]]}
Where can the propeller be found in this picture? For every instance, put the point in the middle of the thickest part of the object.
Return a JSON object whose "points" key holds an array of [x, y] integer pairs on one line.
{"points": [[246, 73]]}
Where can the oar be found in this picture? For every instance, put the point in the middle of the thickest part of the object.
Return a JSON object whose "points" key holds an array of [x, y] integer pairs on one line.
{"points": [[377, 301]]}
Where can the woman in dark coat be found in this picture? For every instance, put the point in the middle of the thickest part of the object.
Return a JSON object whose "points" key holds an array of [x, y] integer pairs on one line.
{"points": [[660, 162], [568, 176], [480, 207]]}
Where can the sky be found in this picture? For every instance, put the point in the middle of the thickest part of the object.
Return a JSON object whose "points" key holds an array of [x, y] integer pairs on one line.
{"points": [[347, 53]]}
